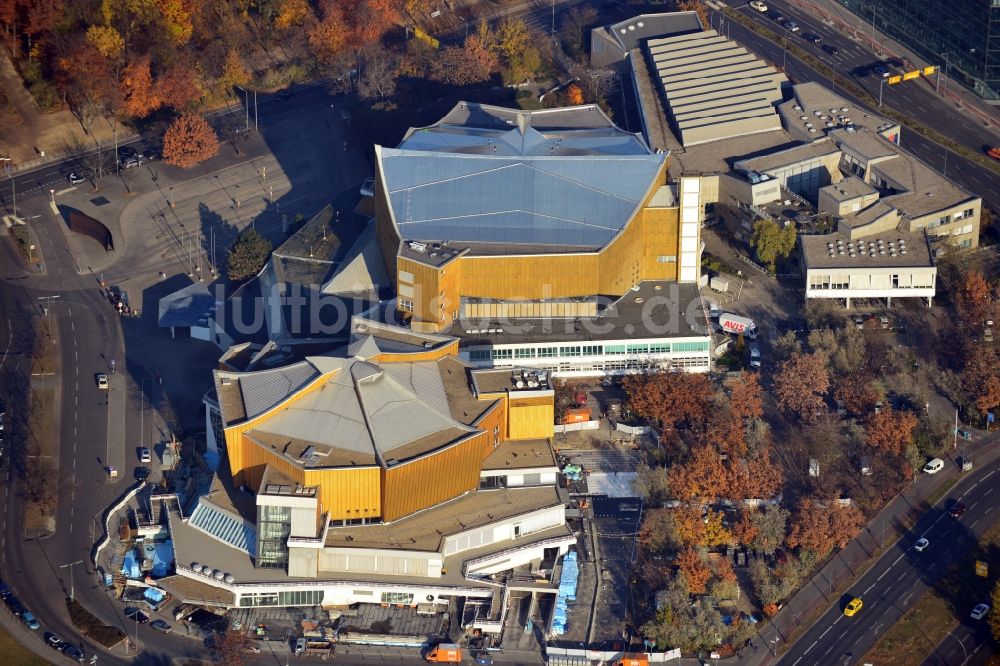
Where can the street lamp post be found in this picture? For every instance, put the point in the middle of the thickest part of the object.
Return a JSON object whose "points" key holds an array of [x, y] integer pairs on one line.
{"points": [[13, 189], [880, 82], [237, 196], [53, 193], [70, 565]]}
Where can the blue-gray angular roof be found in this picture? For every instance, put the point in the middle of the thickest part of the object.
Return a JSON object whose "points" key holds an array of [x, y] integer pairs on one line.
{"points": [[496, 183]]}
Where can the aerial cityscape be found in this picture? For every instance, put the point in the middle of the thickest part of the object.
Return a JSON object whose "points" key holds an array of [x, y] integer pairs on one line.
{"points": [[579, 332]]}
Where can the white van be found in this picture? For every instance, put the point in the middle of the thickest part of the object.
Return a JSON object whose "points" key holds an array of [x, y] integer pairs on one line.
{"points": [[934, 466]]}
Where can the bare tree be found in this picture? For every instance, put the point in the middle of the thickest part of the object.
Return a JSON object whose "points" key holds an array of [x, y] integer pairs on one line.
{"points": [[378, 75], [598, 81]]}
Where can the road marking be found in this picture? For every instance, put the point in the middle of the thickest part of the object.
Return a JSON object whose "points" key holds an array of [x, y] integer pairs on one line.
{"points": [[823, 635], [809, 648], [886, 590], [796, 661], [973, 505], [906, 599], [869, 588], [987, 492], [901, 576], [829, 650], [884, 573], [896, 561], [843, 634], [974, 522]]}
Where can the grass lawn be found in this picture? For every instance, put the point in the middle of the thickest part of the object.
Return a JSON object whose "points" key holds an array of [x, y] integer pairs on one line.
{"points": [[14, 654], [936, 612]]}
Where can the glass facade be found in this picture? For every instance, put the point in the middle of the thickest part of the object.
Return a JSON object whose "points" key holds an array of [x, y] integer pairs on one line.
{"points": [[289, 598], [274, 524], [961, 37]]}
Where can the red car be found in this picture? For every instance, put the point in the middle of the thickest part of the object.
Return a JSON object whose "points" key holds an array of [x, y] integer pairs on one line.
{"points": [[994, 153], [957, 510]]}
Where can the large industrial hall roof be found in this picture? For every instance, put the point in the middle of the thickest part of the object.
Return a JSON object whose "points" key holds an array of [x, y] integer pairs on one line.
{"points": [[714, 88], [494, 176]]}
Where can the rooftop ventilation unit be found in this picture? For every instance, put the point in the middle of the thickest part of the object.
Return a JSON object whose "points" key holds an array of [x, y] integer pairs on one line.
{"points": [[418, 247]]}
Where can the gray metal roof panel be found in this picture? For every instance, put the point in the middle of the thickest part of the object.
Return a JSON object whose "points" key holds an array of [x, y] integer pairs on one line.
{"points": [[264, 389], [534, 200]]}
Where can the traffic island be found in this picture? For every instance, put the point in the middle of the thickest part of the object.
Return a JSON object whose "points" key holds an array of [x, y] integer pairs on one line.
{"points": [[26, 242], [93, 628]]}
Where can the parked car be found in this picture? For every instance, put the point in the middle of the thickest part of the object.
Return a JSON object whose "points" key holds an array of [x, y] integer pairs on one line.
{"points": [[161, 626], [957, 511], [830, 49], [74, 653], [134, 613], [30, 620], [53, 641], [980, 611], [964, 433], [758, 5], [934, 466], [150, 155], [790, 25], [141, 473], [994, 153], [102, 381], [144, 454], [853, 606], [812, 37], [76, 178], [774, 15], [5, 591], [921, 545]]}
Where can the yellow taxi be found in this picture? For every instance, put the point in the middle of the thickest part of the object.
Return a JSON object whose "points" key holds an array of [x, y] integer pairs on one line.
{"points": [[853, 606]]}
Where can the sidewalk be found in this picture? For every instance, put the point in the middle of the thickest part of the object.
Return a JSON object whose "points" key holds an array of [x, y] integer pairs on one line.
{"points": [[884, 530], [861, 31]]}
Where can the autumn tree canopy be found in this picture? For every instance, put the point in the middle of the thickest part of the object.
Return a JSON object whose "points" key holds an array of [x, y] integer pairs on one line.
{"points": [[800, 384], [821, 525], [975, 299], [889, 431], [189, 140], [669, 398]]}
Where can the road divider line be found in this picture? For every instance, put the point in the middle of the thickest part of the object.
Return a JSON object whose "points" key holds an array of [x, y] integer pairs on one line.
{"points": [[884, 573], [823, 635], [896, 561], [987, 492], [809, 648], [869, 588], [906, 599]]}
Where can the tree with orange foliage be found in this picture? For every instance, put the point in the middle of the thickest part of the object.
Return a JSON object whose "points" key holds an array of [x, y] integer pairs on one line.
{"points": [[702, 477], [889, 431], [470, 63], [974, 299], [292, 13], [756, 478], [692, 564], [696, 6], [687, 527], [176, 19], [669, 398], [716, 533], [800, 384], [574, 95], [139, 97], [189, 140], [980, 377], [744, 396], [858, 395], [178, 86], [725, 430], [330, 36], [820, 525], [745, 528]]}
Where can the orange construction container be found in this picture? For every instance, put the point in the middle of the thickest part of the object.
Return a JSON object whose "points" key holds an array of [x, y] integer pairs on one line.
{"points": [[629, 659], [445, 653], [576, 416]]}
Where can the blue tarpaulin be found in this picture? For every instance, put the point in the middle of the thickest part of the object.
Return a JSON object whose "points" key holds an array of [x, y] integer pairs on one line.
{"points": [[130, 567], [154, 596], [567, 592], [162, 554]]}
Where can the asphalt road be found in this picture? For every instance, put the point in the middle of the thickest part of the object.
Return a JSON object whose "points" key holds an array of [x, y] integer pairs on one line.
{"points": [[927, 110], [898, 579]]}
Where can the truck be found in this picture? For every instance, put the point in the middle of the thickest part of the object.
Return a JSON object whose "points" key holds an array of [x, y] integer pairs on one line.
{"points": [[313, 647], [445, 653], [731, 323], [719, 284]]}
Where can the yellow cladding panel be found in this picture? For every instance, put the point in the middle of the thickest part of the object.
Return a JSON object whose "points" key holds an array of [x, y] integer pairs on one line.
{"points": [[436, 478], [344, 493], [532, 422], [527, 402], [528, 277], [348, 493], [661, 238]]}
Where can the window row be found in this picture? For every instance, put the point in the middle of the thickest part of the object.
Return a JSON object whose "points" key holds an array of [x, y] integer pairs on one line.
{"points": [[570, 351]]}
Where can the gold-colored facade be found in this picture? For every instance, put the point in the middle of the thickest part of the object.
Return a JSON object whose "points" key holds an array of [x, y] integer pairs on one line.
{"points": [[395, 490], [646, 249]]}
